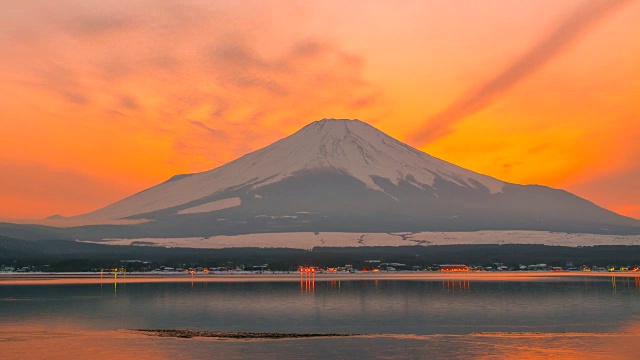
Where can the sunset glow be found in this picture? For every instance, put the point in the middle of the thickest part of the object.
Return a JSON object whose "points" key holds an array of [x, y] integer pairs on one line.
{"points": [[101, 100]]}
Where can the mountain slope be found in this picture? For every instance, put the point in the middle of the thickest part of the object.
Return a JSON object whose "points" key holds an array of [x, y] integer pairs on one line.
{"points": [[344, 175]]}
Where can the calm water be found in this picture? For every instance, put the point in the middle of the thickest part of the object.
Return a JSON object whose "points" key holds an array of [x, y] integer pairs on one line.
{"points": [[441, 313]]}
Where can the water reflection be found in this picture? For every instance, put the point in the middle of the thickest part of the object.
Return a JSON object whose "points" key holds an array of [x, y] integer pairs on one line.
{"points": [[53, 341], [625, 281], [307, 282], [334, 284], [460, 285], [451, 306], [33, 339]]}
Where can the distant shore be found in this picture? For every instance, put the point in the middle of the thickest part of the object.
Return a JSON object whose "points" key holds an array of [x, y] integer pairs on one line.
{"points": [[96, 278]]}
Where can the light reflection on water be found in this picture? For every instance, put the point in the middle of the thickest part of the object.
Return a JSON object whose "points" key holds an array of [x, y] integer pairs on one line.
{"points": [[441, 313], [36, 340]]}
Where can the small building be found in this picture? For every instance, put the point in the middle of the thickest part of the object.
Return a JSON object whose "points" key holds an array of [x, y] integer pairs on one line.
{"points": [[538, 267], [454, 268], [308, 269]]}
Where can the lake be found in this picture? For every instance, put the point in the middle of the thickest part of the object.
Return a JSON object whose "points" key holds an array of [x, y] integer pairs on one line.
{"points": [[417, 317]]}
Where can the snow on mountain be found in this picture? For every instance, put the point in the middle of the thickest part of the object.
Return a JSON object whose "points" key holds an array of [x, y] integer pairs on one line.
{"points": [[350, 147]]}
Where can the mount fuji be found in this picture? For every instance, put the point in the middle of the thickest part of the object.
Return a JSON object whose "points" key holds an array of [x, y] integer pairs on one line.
{"points": [[343, 176]]}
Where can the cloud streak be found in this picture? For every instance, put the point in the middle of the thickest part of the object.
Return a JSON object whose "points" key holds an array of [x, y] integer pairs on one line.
{"points": [[569, 30], [213, 133]]}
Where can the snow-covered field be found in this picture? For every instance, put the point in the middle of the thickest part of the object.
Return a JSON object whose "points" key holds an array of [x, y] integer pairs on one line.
{"points": [[309, 240]]}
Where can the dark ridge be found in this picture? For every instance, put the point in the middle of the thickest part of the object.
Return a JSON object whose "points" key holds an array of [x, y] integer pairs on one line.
{"points": [[188, 334], [177, 177]]}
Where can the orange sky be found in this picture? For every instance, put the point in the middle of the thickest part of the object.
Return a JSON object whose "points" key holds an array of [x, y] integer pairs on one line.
{"points": [[101, 99]]}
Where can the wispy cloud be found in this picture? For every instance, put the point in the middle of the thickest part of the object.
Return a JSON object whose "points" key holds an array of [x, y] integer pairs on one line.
{"points": [[569, 30], [174, 68], [210, 132], [96, 25], [129, 102]]}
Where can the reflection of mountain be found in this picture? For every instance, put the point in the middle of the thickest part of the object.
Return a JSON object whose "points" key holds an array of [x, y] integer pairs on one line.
{"points": [[342, 175]]}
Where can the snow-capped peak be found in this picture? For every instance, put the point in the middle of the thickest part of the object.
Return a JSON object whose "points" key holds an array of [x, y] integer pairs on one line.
{"points": [[349, 146], [363, 151]]}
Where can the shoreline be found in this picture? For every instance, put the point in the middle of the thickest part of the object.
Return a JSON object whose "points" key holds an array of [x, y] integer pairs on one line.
{"points": [[132, 278]]}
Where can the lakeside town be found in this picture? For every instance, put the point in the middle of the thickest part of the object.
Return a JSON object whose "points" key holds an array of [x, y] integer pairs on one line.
{"points": [[373, 266]]}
